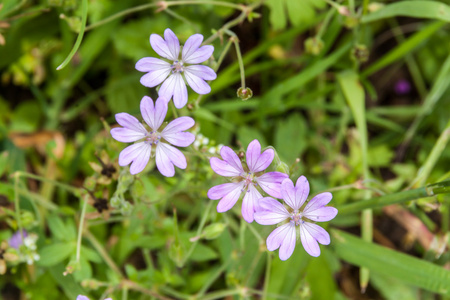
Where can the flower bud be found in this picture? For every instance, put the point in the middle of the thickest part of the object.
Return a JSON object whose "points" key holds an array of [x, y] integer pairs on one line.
{"points": [[373, 7], [282, 167], [314, 45], [244, 93], [214, 230], [360, 53]]}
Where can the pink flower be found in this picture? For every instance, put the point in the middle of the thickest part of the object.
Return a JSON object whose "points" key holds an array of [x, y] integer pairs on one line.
{"points": [[186, 68], [81, 297], [245, 181], [284, 237], [139, 154]]}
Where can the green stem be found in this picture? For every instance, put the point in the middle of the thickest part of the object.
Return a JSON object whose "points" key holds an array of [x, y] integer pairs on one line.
{"points": [[267, 275], [80, 228], [325, 23], [221, 294], [17, 205], [84, 9], [103, 253], [241, 63], [365, 7], [213, 278], [432, 159], [401, 197], [67, 187], [199, 231], [163, 5], [222, 55]]}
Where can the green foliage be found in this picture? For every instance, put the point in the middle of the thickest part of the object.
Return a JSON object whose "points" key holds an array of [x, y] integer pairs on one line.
{"points": [[324, 78]]}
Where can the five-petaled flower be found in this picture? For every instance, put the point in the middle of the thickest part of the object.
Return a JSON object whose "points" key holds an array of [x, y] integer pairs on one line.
{"points": [[191, 55], [272, 212], [139, 154], [245, 180]]}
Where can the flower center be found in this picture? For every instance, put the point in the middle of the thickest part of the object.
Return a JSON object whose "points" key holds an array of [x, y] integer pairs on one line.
{"points": [[296, 218], [177, 67], [153, 137]]}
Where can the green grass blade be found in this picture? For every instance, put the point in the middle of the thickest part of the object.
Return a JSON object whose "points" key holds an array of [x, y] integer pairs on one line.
{"points": [[354, 94], [408, 46], [387, 262], [416, 9], [84, 9], [400, 197]]}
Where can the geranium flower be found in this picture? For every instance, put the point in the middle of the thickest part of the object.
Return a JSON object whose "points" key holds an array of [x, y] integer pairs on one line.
{"points": [[284, 237], [139, 154], [245, 181], [191, 55]]}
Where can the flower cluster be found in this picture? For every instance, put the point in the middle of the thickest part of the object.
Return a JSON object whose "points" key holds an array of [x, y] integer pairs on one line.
{"points": [[155, 140], [266, 210], [248, 179]]}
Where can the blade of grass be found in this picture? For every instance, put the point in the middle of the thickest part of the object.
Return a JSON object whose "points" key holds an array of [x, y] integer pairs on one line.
{"points": [[84, 10], [432, 159], [387, 262], [416, 9], [354, 94], [400, 197], [401, 50]]}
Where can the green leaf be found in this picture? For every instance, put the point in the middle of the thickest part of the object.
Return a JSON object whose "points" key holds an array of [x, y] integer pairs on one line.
{"points": [[380, 156], [387, 262], [61, 231], [416, 9], [55, 253], [290, 140], [203, 253], [277, 14], [248, 134], [392, 289]]}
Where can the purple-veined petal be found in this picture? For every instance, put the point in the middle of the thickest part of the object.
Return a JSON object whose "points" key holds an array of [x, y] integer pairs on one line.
{"points": [[139, 152], [166, 157], [160, 46], [256, 161], [271, 183], [148, 64], [288, 193], [301, 191], [322, 214], [130, 122], [230, 199], [174, 86], [250, 203], [288, 243], [191, 45], [223, 168], [318, 201], [199, 55], [204, 72], [276, 237], [219, 191], [196, 83], [308, 241], [154, 78], [317, 232], [153, 114], [230, 157], [180, 139], [126, 135], [172, 43], [177, 125], [270, 212], [141, 160]]}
